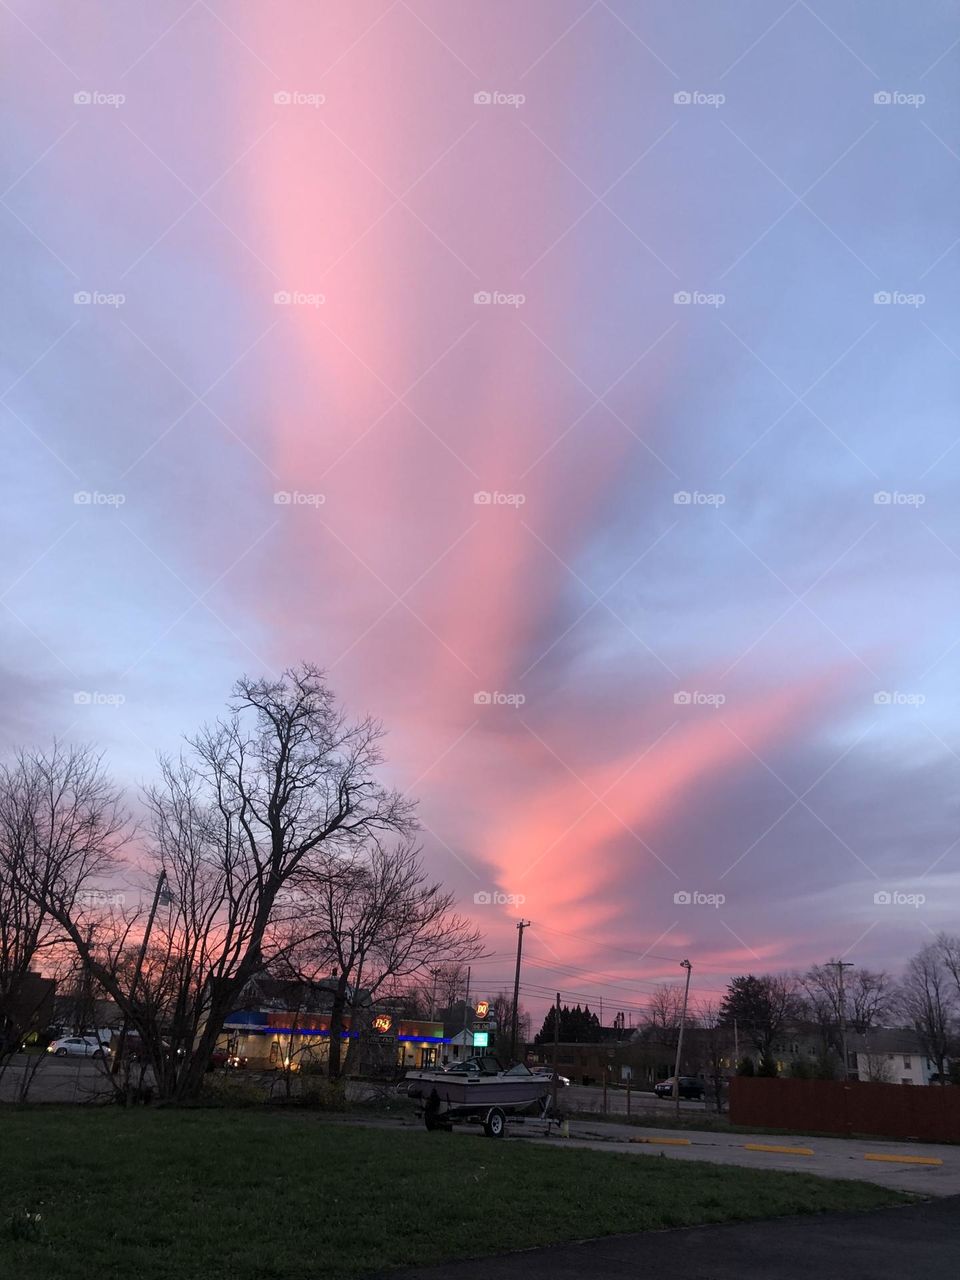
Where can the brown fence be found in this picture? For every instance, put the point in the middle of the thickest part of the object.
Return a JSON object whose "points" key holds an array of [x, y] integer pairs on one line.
{"points": [[928, 1113]]}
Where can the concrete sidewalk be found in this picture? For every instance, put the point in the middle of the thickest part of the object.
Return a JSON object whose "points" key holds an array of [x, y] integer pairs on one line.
{"points": [[831, 1157], [921, 1242]]}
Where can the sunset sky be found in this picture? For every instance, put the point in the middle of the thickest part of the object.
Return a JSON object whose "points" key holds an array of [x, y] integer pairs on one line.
{"points": [[672, 284]]}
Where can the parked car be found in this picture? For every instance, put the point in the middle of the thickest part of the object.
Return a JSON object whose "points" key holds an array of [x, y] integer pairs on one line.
{"points": [[689, 1087], [222, 1058], [78, 1047], [562, 1081]]}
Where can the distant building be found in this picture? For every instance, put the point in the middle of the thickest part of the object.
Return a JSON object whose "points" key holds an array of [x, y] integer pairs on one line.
{"points": [[285, 1023], [28, 1008], [889, 1057]]}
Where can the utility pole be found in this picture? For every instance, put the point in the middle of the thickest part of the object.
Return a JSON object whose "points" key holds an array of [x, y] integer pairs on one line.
{"points": [[556, 1052], [521, 925], [840, 965], [684, 964], [466, 1013]]}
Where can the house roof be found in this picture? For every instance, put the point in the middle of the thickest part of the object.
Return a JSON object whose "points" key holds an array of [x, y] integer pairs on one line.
{"points": [[885, 1040]]}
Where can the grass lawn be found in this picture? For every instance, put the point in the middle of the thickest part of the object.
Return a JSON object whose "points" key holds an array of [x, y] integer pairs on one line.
{"points": [[207, 1195]]}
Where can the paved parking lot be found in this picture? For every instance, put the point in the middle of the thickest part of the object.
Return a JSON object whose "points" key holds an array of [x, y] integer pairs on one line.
{"points": [[897, 1166]]}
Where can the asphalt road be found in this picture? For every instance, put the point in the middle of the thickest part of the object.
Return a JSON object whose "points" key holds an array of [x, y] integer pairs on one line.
{"points": [[921, 1242]]}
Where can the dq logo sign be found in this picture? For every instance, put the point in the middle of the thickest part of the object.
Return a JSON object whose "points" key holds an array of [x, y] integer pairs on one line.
{"points": [[382, 1022], [482, 1008]]}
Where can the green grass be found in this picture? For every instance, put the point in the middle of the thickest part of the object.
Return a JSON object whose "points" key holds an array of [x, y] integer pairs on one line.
{"points": [[207, 1195]]}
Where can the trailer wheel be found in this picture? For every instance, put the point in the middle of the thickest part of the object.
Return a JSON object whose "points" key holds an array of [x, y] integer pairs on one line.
{"points": [[495, 1125]]}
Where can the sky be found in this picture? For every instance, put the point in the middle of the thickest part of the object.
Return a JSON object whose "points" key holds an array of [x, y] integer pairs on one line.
{"points": [[575, 382]]}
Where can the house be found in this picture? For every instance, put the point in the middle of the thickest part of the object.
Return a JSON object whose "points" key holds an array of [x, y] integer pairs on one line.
{"points": [[889, 1057]]}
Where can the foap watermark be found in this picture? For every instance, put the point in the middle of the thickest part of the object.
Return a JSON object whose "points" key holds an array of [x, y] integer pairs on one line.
{"points": [[497, 298], [494, 498], [95, 298], [897, 298], [100, 898], [94, 698], [294, 498], [297, 98], [97, 98], [897, 98], [897, 698], [697, 698], [94, 498], [292, 898], [497, 98], [697, 298], [694, 498], [697, 98], [694, 898], [483, 698], [297, 298], [894, 498], [496, 898], [896, 898]]}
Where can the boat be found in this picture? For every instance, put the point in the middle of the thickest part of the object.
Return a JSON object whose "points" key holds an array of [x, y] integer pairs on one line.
{"points": [[478, 1089]]}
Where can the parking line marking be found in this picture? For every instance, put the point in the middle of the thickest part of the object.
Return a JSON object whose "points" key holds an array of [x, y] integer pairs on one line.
{"points": [[784, 1151], [903, 1159], [664, 1142]]}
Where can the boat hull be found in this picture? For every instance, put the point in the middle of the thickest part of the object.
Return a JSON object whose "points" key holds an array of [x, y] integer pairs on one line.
{"points": [[510, 1093]]}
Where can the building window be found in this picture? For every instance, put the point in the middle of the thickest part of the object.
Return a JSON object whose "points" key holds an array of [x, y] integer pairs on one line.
{"points": [[907, 1062]]}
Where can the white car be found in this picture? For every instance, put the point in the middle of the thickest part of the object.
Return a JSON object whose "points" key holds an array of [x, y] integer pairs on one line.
{"points": [[78, 1047]]}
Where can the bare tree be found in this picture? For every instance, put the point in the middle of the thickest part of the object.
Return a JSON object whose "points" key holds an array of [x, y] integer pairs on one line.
{"points": [[861, 1000], [381, 921], [663, 1013], [284, 782], [716, 1039], [501, 1011], [928, 1000], [61, 828]]}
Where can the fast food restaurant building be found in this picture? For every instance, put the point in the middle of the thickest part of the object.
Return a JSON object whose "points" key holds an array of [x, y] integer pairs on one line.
{"points": [[382, 1043]]}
